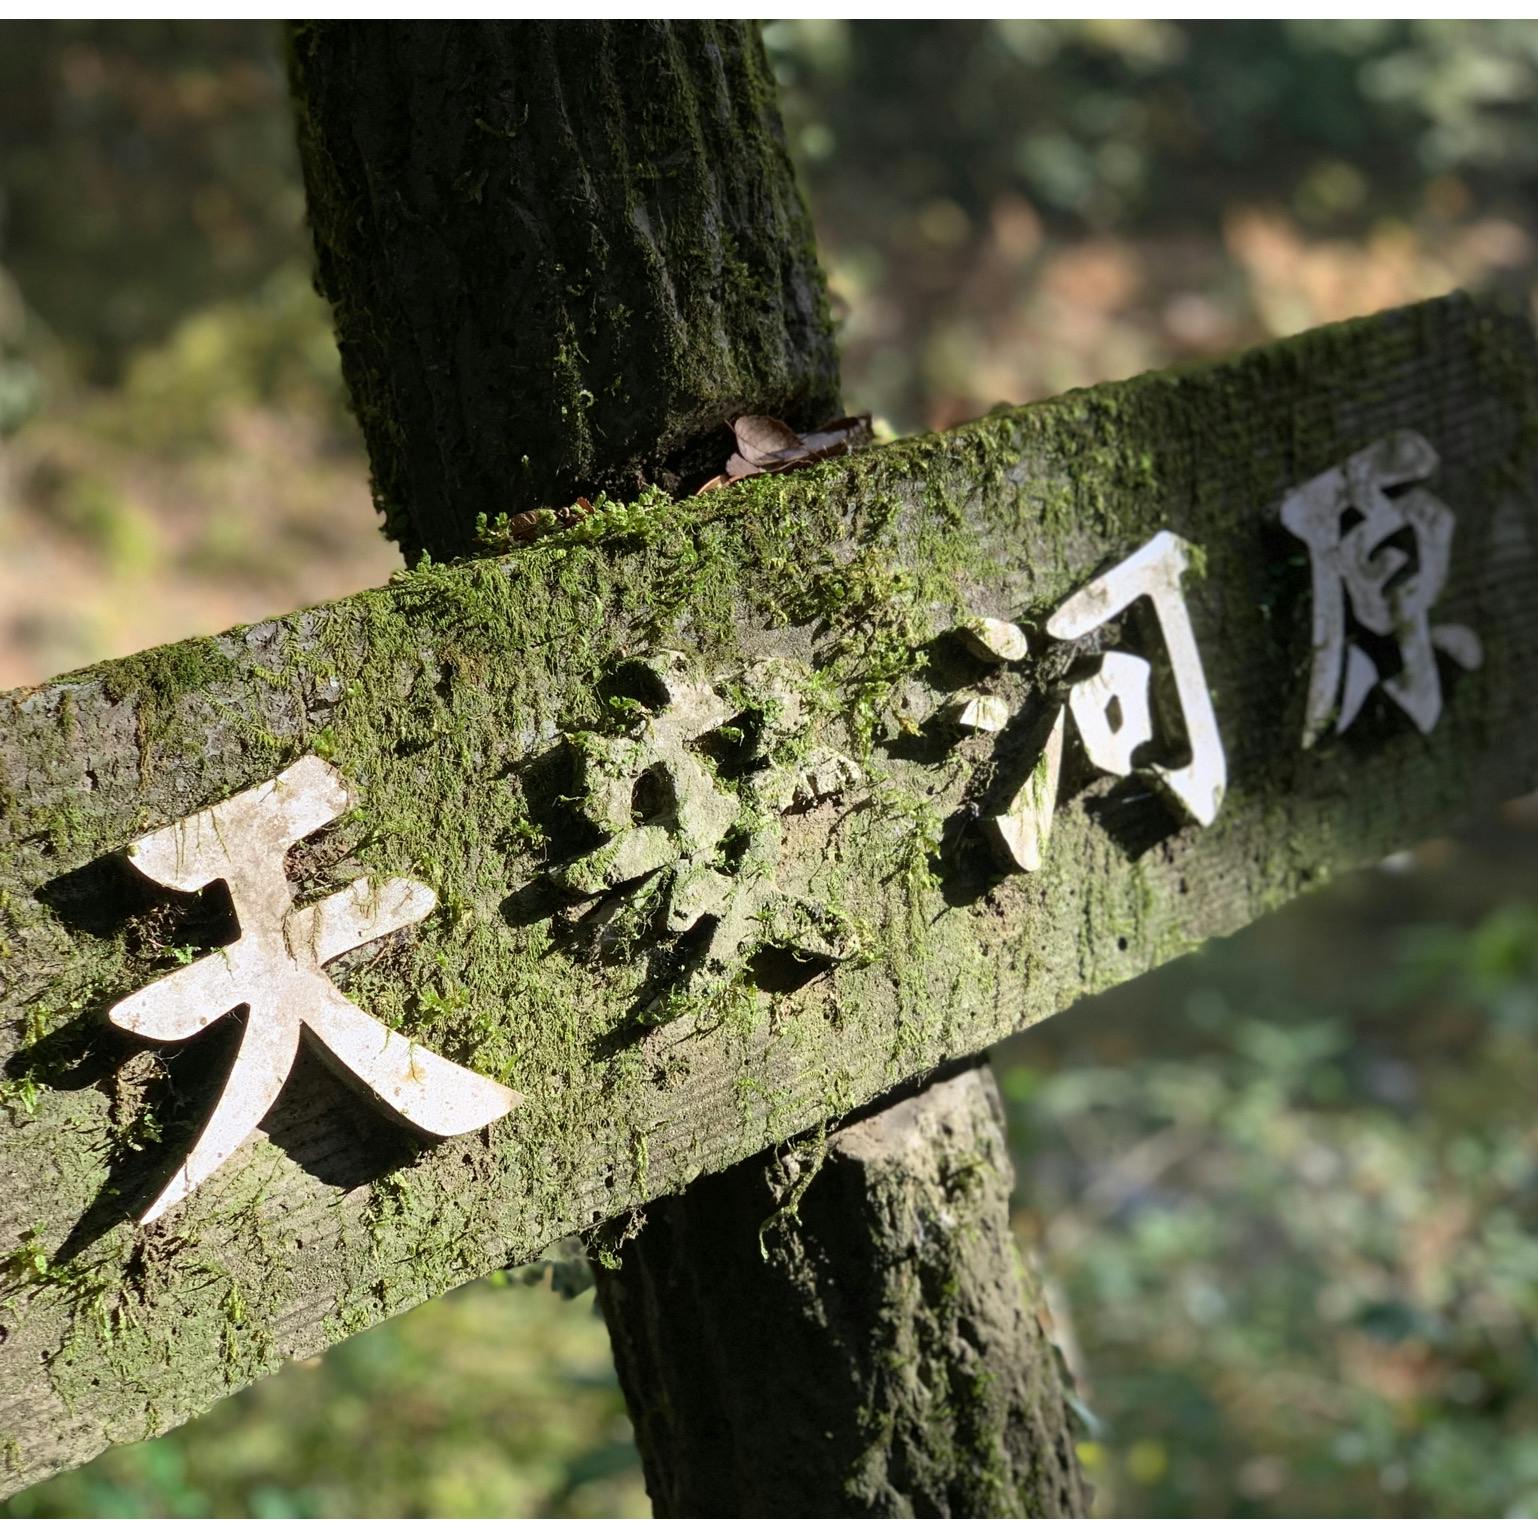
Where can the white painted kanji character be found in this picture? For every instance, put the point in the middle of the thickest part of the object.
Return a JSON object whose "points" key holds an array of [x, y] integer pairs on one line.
{"points": [[1353, 518], [276, 969], [1112, 710]]}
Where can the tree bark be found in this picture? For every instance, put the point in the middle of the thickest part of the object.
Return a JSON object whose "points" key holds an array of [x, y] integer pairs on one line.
{"points": [[561, 258], [863, 1342]]}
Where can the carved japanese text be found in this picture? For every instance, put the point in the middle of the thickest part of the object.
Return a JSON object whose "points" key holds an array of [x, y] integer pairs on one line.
{"points": [[276, 970], [1113, 709], [1357, 520]]}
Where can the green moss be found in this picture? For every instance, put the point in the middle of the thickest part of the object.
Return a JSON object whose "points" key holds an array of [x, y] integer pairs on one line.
{"points": [[156, 681], [21, 1093]]}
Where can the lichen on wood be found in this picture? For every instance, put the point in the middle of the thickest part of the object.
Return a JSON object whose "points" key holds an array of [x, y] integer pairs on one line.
{"points": [[450, 700]]}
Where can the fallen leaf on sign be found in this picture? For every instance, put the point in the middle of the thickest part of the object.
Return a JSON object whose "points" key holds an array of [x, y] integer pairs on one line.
{"points": [[765, 446], [761, 441]]}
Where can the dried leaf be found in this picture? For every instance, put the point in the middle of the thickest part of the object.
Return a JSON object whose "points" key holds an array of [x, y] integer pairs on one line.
{"points": [[761, 440], [836, 438], [523, 526], [765, 445], [520, 528], [856, 429]]}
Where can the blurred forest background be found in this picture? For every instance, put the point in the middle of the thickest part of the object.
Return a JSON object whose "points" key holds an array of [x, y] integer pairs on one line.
{"points": [[1287, 1190]]}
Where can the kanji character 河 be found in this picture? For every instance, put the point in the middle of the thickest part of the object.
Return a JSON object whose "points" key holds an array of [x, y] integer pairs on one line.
{"points": [[1112, 710]]}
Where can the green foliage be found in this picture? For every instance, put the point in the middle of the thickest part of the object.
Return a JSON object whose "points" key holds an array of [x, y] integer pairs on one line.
{"points": [[1293, 1209], [1091, 198], [1112, 122], [149, 170], [273, 343]]}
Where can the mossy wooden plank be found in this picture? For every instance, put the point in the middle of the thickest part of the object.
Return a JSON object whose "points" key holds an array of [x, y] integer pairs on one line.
{"points": [[461, 702]]}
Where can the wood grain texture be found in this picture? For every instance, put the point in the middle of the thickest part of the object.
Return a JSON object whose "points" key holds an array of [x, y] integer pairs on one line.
{"points": [[448, 700]]}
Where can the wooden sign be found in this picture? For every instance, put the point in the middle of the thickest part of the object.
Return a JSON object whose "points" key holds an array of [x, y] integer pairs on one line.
{"points": [[617, 858]]}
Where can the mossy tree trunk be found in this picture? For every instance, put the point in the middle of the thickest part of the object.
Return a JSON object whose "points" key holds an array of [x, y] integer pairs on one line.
{"points": [[561, 258], [847, 1330]]}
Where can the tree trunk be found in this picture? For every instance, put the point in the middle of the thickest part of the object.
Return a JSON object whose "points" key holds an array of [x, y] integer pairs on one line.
{"points": [[874, 1350], [562, 257]]}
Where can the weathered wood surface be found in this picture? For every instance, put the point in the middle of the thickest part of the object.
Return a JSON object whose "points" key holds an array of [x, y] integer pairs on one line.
{"points": [[456, 700]]}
